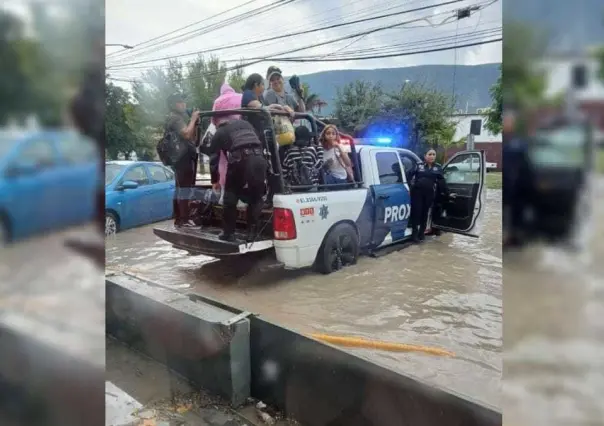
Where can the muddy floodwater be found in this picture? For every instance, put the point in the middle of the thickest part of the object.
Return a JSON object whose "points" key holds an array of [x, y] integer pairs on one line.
{"points": [[445, 293], [554, 332]]}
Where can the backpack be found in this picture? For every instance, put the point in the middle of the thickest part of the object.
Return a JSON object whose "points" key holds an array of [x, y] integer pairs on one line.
{"points": [[301, 174], [171, 149]]}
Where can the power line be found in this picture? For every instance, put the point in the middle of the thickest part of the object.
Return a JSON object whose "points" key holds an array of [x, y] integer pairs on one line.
{"points": [[279, 37], [462, 37], [314, 23], [344, 59], [392, 55], [187, 26], [218, 25], [371, 49]]}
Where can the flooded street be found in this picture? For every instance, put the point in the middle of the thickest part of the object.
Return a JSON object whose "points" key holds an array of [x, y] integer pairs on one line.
{"points": [[445, 293], [554, 334]]}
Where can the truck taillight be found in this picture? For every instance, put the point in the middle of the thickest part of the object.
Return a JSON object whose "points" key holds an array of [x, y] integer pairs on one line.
{"points": [[345, 142], [284, 224]]}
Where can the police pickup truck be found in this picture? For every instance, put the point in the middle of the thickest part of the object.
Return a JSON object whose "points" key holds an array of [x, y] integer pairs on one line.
{"points": [[329, 226]]}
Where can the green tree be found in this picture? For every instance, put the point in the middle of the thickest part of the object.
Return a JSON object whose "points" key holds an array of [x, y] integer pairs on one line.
{"points": [[120, 137], [599, 54], [493, 117], [357, 103], [312, 101], [236, 79], [523, 82], [427, 111], [24, 88], [203, 81]]}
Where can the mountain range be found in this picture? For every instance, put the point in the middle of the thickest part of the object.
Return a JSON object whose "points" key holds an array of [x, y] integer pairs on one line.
{"points": [[471, 83]]}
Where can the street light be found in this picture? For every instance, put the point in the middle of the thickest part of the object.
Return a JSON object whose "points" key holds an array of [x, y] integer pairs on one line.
{"points": [[125, 46]]}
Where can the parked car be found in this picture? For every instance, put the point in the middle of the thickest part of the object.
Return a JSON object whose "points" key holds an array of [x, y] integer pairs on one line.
{"points": [[48, 181], [136, 193]]}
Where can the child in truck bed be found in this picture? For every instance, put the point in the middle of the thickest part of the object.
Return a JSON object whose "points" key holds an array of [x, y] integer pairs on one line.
{"points": [[303, 160]]}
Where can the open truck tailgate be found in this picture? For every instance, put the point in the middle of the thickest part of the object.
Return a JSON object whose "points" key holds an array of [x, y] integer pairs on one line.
{"points": [[204, 240]]}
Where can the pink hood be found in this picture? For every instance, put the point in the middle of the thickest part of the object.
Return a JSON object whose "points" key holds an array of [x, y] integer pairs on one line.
{"points": [[228, 99]]}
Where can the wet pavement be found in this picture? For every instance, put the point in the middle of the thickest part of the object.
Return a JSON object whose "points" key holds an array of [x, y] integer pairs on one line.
{"points": [[142, 392], [52, 293], [445, 293], [554, 333]]}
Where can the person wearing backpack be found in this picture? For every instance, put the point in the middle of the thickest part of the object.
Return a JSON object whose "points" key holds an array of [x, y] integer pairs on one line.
{"points": [[303, 161], [177, 150]]}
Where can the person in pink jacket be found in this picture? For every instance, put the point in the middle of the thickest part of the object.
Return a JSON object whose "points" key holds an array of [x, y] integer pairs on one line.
{"points": [[228, 99]]}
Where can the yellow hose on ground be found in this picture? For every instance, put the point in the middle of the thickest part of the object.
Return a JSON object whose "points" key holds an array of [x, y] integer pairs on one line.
{"points": [[357, 342]]}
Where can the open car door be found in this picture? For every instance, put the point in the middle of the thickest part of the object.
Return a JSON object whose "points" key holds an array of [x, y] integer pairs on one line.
{"points": [[465, 173]]}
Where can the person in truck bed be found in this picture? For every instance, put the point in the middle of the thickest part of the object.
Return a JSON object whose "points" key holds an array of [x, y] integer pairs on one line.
{"points": [[303, 161], [337, 165], [245, 176]]}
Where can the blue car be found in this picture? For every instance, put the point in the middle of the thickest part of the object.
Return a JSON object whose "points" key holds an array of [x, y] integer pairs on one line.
{"points": [[48, 181], [137, 193]]}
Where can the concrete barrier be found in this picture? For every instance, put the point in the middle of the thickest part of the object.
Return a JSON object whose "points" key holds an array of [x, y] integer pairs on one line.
{"points": [[42, 381], [312, 382], [206, 344]]}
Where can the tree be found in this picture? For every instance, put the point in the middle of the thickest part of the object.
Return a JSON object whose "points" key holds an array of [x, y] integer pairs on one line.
{"points": [[599, 54], [119, 136], [493, 117], [25, 88], [236, 79], [522, 47], [427, 113], [357, 103], [312, 101]]}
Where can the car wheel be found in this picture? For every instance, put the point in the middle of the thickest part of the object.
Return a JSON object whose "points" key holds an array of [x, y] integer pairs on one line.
{"points": [[340, 248], [111, 226]]}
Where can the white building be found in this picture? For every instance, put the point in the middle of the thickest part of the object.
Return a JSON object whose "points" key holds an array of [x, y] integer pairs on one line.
{"points": [[558, 69], [463, 128]]}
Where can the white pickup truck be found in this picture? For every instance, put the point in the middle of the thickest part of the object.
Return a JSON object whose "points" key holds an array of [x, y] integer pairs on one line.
{"points": [[329, 227]]}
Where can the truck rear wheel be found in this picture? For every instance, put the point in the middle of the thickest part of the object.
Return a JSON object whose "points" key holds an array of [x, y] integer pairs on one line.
{"points": [[340, 248]]}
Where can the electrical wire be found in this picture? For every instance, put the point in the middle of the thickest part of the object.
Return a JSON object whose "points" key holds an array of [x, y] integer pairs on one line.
{"points": [[344, 59], [136, 46], [444, 36], [218, 25], [327, 21], [298, 33]]}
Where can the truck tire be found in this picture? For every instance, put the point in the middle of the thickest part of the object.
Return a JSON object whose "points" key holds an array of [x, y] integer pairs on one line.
{"points": [[340, 248]]}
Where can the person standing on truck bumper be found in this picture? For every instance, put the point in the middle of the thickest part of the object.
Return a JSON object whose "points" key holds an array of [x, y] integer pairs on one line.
{"points": [[428, 180], [246, 173], [185, 169]]}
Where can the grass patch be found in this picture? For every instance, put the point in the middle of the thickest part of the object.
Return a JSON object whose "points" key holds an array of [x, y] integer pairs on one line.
{"points": [[494, 180]]}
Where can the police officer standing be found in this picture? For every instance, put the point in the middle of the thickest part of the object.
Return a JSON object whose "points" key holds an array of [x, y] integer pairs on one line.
{"points": [[428, 182], [246, 173], [516, 179], [185, 167]]}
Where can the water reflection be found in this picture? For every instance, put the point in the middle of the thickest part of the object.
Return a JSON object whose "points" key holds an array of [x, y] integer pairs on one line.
{"points": [[444, 293]]}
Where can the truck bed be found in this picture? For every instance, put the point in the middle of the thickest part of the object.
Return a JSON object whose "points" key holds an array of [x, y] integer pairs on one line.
{"points": [[205, 241]]}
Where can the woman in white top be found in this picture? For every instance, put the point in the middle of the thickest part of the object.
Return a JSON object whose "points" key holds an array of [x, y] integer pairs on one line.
{"points": [[337, 165]]}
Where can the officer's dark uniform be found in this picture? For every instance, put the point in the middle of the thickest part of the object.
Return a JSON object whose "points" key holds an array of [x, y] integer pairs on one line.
{"points": [[428, 182], [516, 184], [246, 172], [185, 169]]}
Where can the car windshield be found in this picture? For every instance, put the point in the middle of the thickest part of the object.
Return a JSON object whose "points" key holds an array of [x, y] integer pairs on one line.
{"points": [[562, 147], [111, 172]]}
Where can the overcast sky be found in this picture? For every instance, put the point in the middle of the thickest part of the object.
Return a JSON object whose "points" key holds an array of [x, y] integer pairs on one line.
{"points": [[135, 21]]}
